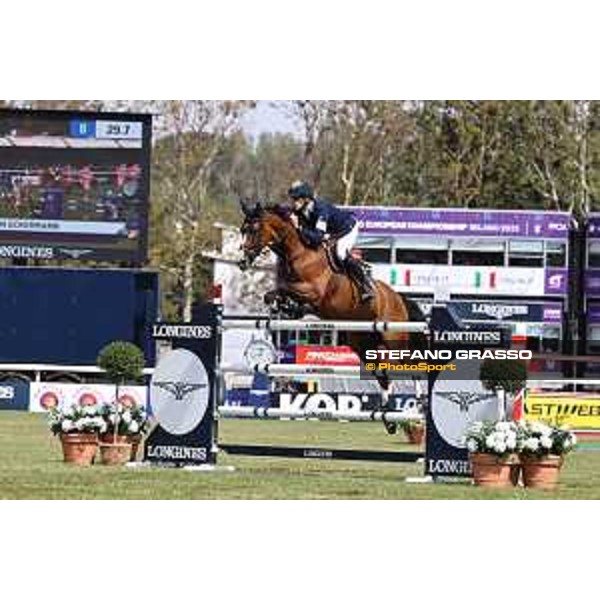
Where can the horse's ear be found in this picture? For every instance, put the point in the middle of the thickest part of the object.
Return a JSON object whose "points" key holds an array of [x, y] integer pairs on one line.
{"points": [[244, 206], [258, 209]]}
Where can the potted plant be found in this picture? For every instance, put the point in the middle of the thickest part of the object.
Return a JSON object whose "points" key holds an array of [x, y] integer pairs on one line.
{"points": [[414, 429], [493, 448], [78, 428], [543, 448], [126, 422], [123, 363]]}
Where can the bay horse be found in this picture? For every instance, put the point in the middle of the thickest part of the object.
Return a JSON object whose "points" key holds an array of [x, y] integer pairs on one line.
{"points": [[307, 282]]}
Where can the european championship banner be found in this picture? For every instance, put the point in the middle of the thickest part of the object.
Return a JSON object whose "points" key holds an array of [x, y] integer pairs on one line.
{"points": [[576, 412]]}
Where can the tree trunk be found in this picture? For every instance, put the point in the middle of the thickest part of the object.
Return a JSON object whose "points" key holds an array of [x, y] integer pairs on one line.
{"points": [[188, 287]]}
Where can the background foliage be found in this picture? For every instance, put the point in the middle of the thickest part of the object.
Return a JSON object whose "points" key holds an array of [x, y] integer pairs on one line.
{"points": [[481, 154]]}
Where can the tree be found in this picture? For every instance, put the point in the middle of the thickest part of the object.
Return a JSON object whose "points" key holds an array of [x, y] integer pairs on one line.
{"points": [[190, 136]]}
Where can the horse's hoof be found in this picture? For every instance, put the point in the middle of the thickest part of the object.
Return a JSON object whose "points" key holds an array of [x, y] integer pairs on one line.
{"points": [[391, 428]]}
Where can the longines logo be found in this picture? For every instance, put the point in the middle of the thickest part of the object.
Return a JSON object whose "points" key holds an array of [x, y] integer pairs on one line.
{"points": [[468, 337], [464, 400], [499, 311], [173, 332], [74, 252], [39, 252], [7, 392], [180, 391]]}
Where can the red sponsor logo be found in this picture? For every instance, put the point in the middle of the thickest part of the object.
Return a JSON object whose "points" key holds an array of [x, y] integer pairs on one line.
{"points": [[128, 401], [87, 399], [336, 356], [49, 401]]}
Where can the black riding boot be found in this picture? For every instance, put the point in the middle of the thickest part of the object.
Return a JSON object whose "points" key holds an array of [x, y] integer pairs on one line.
{"points": [[355, 270]]}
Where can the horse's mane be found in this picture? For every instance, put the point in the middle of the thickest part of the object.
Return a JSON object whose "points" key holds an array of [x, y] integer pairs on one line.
{"points": [[281, 210]]}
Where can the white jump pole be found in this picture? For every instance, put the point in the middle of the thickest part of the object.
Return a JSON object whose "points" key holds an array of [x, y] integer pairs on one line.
{"points": [[304, 325], [250, 412], [293, 370]]}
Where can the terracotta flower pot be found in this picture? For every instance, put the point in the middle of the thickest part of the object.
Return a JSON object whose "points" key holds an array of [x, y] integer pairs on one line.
{"points": [[135, 441], [115, 450], [492, 471], [541, 472], [79, 448]]}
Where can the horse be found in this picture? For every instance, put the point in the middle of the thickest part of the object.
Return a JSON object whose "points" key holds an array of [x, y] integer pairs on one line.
{"points": [[309, 282]]}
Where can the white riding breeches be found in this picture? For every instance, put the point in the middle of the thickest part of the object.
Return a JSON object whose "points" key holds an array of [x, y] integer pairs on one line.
{"points": [[345, 244]]}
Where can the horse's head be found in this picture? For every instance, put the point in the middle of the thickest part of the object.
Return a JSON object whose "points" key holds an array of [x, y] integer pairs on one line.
{"points": [[263, 228]]}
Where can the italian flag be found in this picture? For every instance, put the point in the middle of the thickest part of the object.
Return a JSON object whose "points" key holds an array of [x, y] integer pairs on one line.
{"points": [[519, 404]]}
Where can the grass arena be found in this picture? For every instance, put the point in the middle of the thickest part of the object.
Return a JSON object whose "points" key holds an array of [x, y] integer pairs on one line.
{"points": [[33, 469], [323, 332]]}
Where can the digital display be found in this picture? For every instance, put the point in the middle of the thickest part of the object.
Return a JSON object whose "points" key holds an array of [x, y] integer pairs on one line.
{"points": [[74, 185]]}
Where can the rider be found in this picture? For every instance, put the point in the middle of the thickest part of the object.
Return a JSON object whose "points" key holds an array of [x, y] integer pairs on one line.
{"points": [[319, 221]]}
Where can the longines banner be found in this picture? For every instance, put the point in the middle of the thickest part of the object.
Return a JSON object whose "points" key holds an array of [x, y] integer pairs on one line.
{"points": [[47, 396], [14, 395], [183, 393], [521, 312]]}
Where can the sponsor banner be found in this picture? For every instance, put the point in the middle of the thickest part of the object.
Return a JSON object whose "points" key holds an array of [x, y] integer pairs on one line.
{"points": [[458, 223], [556, 281], [520, 312], [343, 402], [14, 395], [577, 412], [493, 281], [593, 226], [337, 356], [592, 282], [593, 313], [47, 396]]}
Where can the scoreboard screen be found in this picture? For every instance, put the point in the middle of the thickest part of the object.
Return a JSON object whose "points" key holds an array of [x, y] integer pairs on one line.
{"points": [[74, 185]]}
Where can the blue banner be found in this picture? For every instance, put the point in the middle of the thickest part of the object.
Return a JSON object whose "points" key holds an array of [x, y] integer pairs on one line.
{"points": [[14, 395]]}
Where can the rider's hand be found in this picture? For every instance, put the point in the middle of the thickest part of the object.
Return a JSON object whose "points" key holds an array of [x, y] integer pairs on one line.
{"points": [[295, 221]]}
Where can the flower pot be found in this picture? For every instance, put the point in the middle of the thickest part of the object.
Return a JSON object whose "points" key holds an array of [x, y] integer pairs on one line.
{"points": [[79, 448], [115, 450], [416, 435], [541, 472], [135, 441], [492, 471]]}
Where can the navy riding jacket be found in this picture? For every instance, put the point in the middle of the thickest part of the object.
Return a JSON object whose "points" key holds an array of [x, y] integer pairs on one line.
{"points": [[320, 218]]}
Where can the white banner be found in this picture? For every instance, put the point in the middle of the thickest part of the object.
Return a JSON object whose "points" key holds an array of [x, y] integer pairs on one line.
{"points": [[462, 280], [55, 226], [46, 396]]}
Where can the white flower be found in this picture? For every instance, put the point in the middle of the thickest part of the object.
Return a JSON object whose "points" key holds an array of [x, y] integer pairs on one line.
{"points": [[532, 444], [546, 442], [67, 425], [80, 424], [490, 440], [133, 427], [541, 428], [503, 426], [126, 416], [500, 447], [472, 446]]}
